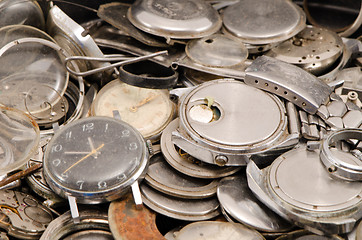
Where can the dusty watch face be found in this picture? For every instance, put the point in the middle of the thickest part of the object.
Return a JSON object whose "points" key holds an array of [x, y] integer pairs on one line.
{"points": [[148, 110], [94, 159]]}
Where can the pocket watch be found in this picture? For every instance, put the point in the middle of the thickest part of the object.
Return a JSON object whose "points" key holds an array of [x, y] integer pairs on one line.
{"points": [[298, 188], [226, 129], [148, 110], [95, 160], [175, 19], [22, 216], [93, 224], [263, 23]]}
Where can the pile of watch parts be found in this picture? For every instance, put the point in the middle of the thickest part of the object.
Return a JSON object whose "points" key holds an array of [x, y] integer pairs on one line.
{"points": [[181, 119]]}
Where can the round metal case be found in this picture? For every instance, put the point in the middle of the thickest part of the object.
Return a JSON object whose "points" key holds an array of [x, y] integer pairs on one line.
{"points": [[64, 227], [216, 51], [344, 165], [187, 164], [127, 222], [95, 159], [263, 21], [148, 110], [313, 49], [217, 231], [227, 117], [179, 208], [164, 178], [239, 202], [19, 139], [178, 19], [298, 187]]}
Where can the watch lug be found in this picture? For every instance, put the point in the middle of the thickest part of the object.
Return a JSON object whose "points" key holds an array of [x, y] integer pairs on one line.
{"points": [[74, 209], [137, 195]]}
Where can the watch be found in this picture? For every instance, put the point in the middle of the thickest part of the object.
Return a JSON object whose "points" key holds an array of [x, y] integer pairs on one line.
{"points": [[22, 216], [148, 110], [298, 188], [95, 160], [262, 24], [226, 129], [175, 19]]}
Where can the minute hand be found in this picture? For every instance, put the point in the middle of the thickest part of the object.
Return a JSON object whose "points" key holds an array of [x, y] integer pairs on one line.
{"points": [[85, 157]]}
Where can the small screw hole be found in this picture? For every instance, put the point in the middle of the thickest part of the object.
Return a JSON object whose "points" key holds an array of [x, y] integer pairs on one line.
{"points": [[266, 84], [317, 57], [276, 88], [209, 41], [256, 81], [285, 92]]}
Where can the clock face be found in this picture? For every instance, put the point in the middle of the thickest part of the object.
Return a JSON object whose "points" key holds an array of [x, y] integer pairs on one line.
{"points": [[94, 154], [148, 110]]}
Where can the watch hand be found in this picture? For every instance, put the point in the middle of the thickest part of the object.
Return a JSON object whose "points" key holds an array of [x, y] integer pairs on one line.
{"points": [[92, 146], [91, 143], [85, 157], [76, 153], [143, 102]]}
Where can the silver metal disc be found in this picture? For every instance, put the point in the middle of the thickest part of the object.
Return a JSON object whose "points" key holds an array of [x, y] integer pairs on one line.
{"points": [[314, 49], [239, 202], [264, 21], [164, 178], [180, 19], [217, 51], [243, 113], [299, 178], [178, 208]]}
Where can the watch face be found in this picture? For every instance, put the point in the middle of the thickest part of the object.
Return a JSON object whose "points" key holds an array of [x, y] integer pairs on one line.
{"points": [[148, 110], [93, 155]]}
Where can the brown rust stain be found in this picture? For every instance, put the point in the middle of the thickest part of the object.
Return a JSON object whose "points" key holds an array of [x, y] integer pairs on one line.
{"points": [[133, 223]]}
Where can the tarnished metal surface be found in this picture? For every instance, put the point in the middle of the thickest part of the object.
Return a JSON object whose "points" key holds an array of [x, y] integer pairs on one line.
{"points": [[128, 223]]}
